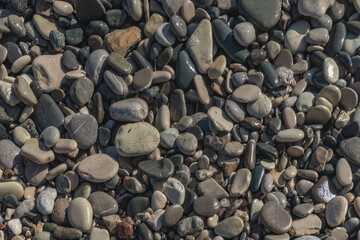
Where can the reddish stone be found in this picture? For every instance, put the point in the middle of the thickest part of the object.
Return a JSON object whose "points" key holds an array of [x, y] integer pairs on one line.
{"points": [[124, 230]]}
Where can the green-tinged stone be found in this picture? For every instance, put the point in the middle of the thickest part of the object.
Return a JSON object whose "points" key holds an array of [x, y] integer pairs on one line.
{"points": [[84, 190], [267, 150], [264, 14], [137, 205], [10, 200], [185, 71], [353, 26], [271, 79], [257, 175], [160, 170], [177, 160], [119, 63], [190, 197], [141, 60], [224, 37], [317, 58], [63, 184], [143, 232], [337, 39]]}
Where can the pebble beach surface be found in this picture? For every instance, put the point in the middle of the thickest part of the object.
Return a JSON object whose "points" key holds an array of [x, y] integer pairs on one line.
{"points": [[179, 119]]}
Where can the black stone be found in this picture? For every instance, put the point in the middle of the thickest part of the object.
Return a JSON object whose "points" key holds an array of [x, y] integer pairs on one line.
{"points": [[9, 114], [267, 150], [69, 60]]}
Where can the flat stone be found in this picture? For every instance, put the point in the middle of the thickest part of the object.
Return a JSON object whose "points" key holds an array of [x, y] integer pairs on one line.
{"points": [[349, 98], [158, 200], [48, 72], [164, 35], [119, 63], [318, 36], [116, 83], [173, 215], [350, 151], [80, 214], [275, 218], [89, 10], [135, 8], [290, 135], [220, 120], [98, 168], [263, 14], [295, 36], [96, 65], [81, 91], [244, 33], [50, 136], [142, 79], [246, 93], [153, 24], [303, 210], [261, 107], [63, 8], [335, 212], [206, 206], [121, 40], [129, 110], [190, 225], [305, 226], [187, 143], [36, 151], [160, 170], [137, 205], [136, 139], [343, 172], [201, 89], [98, 233], [212, 188], [240, 182], [102, 204], [324, 190], [10, 154], [66, 233], [200, 46], [229, 227], [318, 114], [35, 173]]}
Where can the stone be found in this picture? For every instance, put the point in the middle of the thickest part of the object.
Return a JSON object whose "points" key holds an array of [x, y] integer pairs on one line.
{"points": [[120, 41], [224, 37], [172, 7], [349, 98], [83, 128], [59, 214], [97, 233], [229, 227], [240, 182], [261, 107], [98, 168], [35, 173], [45, 25], [159, 170], [137, 205], [81, 91], [349, 150], [303, 210], [10, 154], [318, 36], [158, 200], [314, 9], [50, 136], [96, 65], [46, 200], [220, 120], [142, 79], [263, 14], [324, 190], [129, 110], [244, 33], [185, 70], [116, 83], [136, 139], [63, 8], [80, 214], [164, 36], [135, 9], [246, 93], [11, 187], [174, 191], [206, 206], [200, 46], [275, 218], [119, 63], [331, 70], [271, 79], [88, 11], [335, 212], [343, 172], [15, 226], [48, 72], [187, 143], [124, 229], [190, 225], [305, 226], [66, 233], [295, 36], [102, 204], [173, 215], [153, 24], [36, 151]]}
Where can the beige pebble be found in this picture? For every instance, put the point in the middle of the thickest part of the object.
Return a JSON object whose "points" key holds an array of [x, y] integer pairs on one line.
{"points": [[64, 146], [20, 135], [36, 151], [20, 63]]}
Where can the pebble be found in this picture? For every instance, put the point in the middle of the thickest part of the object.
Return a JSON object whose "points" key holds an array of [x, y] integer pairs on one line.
{"points": [[102, 204], [187, 143], [48, 72], [343, 172], [349, 150], [240, 183], [82, 128], [89, 10], [230, 227], [246, 93], [36, 151], [331, 70], [190, 225], [81, 91], [129, 110], [336, 210], [46, 200], [80, 214], [220, 120], [315, 9], [275, 218], [303, 210], [142, 139], [50, 136], [97, 168], [295, 36], [200, 46], [10, 155], [174, 191], [206, 206], [305, 226], [244, 33], [96, 65]]}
